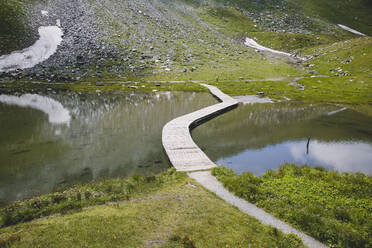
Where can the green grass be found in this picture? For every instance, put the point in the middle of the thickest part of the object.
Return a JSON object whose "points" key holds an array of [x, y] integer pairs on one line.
{"points": [[352, 57], [75, 198], [332, 207], [346, 90], [232, 67], [109, 85], [169, 210]]}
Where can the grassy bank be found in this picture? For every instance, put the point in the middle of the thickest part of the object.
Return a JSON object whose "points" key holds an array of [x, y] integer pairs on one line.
{"points": [[102, 86], [168, 210], [332, 207]]}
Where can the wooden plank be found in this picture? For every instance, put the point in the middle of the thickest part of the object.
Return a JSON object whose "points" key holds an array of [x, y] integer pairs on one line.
{"points": [[182, 151]]}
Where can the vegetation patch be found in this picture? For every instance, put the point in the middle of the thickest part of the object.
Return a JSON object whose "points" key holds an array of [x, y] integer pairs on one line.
{"points": [[337, 73], [168, 210], [347, 90], [235, 24], [77, 197], [333, 207], [101, 86]]}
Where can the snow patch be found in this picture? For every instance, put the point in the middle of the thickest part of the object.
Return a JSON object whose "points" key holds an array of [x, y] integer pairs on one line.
{"points": [[253, 44], [57, 114], [44, 13], [350, 30], [41, 50]]}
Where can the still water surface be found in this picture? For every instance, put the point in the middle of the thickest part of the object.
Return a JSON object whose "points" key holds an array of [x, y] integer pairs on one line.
{"points": [[52, 141], [256, 138]]}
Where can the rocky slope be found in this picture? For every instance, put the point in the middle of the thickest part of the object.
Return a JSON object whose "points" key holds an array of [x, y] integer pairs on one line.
{"points": [[105, 39]]}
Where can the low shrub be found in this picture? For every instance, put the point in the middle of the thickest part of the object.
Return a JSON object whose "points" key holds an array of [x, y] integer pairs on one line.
{"points": [[77, 197], [335, 208]]}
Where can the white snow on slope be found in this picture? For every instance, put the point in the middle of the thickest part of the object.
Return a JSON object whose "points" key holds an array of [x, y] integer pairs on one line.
{"points": [[44, 13], [252, 43], [42, 49], [350, 30], [57, 114]]}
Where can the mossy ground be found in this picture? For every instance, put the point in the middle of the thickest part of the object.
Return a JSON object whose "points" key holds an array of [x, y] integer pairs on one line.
{"points": [[169, 210], [332, 207]]}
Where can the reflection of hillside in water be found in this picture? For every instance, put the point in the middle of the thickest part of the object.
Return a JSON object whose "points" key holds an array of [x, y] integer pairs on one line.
{"points": [[255, 127], [112, 135]]}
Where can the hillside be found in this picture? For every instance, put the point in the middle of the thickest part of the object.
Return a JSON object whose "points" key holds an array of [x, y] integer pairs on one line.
{"points": [[170, 40]]}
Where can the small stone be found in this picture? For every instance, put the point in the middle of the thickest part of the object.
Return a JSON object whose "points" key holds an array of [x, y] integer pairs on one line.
{"points": [[100, 84], [148, 56], [260, 93], [301, 87]]}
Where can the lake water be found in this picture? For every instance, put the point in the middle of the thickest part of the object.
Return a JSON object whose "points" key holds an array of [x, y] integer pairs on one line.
{"points": [[52, 141], [256, 138]]}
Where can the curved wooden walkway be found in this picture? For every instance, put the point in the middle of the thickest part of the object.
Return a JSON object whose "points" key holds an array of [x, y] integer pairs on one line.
{"points": [[182, 151], [185, 155]]}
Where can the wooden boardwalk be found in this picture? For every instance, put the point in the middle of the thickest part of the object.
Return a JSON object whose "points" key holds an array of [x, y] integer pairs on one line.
{"points": [[182, 151], [185, 155]]}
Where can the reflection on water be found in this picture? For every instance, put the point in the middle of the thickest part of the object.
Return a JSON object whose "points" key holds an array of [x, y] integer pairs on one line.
{"points": [[262, 137], [109, 135], [57, 114], [339, 156]]}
